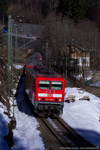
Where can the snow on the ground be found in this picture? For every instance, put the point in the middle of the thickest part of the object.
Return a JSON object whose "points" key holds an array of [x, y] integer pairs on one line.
{"points": [[3, 130], [18, 66], [97, 84], [80, 76], [26, 135], [83, 115]]}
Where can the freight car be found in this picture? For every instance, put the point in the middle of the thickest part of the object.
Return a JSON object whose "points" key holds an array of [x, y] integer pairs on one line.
{"points": [[44, 87]]}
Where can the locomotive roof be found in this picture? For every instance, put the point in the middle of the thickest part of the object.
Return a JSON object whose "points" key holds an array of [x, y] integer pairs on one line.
{"points": [[43, 71], [35, 59], [35, 55], [38, 68]]}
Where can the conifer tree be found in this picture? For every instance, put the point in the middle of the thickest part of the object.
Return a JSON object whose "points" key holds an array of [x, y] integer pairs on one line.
{"points": [[3, 7], [76, 9]]}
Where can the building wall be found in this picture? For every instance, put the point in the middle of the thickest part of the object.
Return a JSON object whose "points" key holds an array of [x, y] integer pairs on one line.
{"points": [[83, 61], [82, 55]]}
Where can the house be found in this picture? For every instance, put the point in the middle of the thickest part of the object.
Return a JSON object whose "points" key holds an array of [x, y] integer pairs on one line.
{"points": [[79, 55]]}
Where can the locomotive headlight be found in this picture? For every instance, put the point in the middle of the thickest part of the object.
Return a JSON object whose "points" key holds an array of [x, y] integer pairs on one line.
{"points": [[39, 99], [59, 100]]}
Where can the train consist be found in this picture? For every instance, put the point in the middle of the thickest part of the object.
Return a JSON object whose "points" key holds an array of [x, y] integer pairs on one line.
{"points": [[44, 87]]}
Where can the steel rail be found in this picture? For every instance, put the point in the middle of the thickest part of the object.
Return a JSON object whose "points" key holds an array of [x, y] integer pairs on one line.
{"points": [[76, 138], [55, 133]]}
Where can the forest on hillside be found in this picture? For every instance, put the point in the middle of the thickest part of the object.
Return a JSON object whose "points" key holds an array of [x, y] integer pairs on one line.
{"points": [[74, 21], [36, 11]]}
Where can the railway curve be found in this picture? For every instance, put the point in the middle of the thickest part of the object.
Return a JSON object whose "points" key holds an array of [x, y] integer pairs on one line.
{"points": [[57, 134]]}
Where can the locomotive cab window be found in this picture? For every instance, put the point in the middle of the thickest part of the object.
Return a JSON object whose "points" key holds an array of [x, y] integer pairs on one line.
{"points": [[56, 85], [44, 85]]}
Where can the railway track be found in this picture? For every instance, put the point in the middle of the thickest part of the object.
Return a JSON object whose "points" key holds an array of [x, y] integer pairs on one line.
{"points": [[56, 133], [61, 135], [74, 137]]}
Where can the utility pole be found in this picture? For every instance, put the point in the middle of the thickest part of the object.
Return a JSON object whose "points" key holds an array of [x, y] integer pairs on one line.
{"points": [[66, 67], [46, 51], [16, 45], [10, 61]]}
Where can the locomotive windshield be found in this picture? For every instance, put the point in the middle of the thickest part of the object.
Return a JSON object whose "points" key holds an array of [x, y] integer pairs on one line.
{"points": [[56, 85], [44, 85], [53, 85]]}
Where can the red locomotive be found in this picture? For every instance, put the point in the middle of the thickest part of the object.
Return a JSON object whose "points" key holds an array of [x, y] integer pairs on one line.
{"points": [[44, 87]]}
